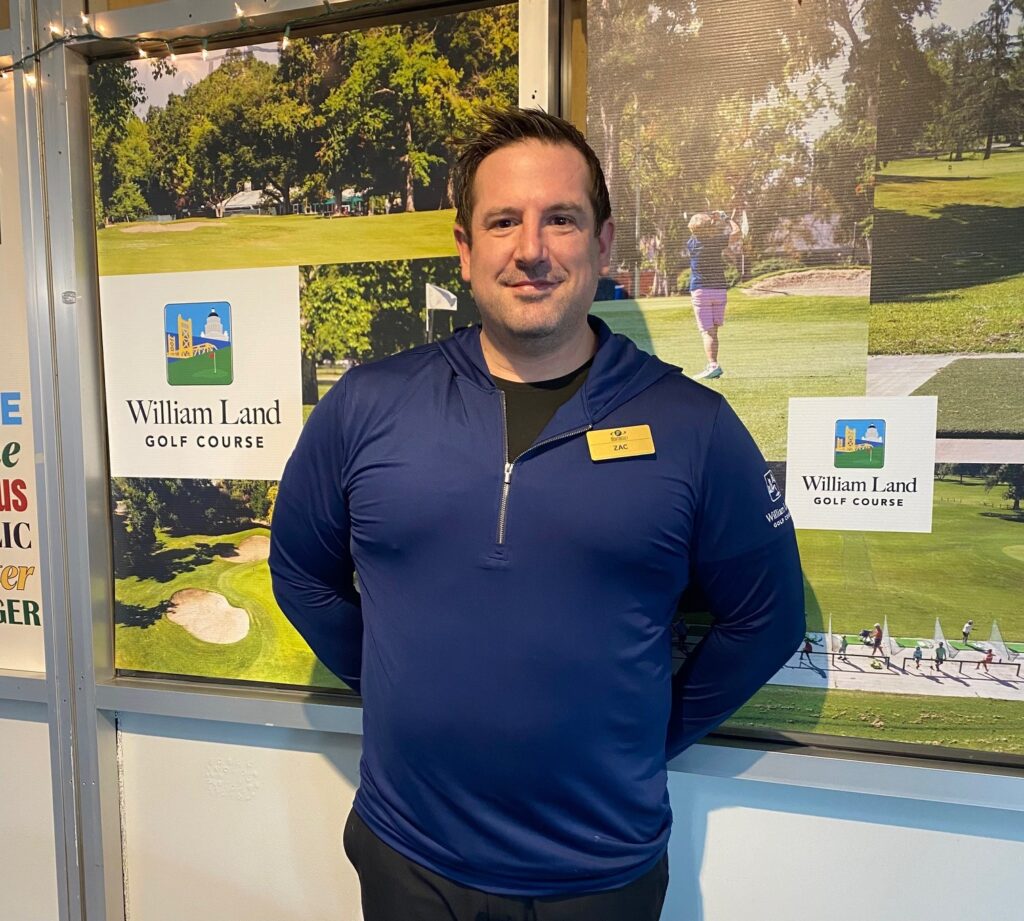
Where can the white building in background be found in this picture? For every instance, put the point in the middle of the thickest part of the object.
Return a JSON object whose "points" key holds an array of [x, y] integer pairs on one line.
{"points": [[214, 328]]}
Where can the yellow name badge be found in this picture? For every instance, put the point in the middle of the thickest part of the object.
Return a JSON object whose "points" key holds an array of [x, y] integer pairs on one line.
{"points": [[631, 441]]}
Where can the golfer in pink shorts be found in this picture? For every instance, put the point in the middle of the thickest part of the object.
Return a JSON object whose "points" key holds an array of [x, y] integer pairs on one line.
{"points": [[710, 235]]}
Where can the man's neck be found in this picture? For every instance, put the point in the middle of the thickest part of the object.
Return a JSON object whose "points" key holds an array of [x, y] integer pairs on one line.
{"points": [[512, 363]]}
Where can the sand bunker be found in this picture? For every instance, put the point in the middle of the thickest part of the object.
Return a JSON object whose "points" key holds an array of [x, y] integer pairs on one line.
{"points": [[164, 227], [820, 282], [252, 548], [208, 616]]}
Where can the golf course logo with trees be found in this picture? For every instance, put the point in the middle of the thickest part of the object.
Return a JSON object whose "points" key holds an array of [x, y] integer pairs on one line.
{"points": [[198, 343]]}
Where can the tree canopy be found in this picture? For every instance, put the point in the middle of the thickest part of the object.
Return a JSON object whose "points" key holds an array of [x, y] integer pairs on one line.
{"points": [[374, 110]]}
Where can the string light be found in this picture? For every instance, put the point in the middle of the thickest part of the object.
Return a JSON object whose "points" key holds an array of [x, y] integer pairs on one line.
{"points": [[91, 31]]}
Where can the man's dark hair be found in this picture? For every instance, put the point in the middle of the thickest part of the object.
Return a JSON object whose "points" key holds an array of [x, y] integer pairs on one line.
{"points": [[497, 128]]}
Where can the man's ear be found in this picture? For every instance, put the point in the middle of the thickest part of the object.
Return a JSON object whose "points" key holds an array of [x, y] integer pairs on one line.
{"points": [[605, 238], [462, 245]]}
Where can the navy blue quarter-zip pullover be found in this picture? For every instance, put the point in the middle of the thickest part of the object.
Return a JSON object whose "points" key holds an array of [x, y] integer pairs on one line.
{"points": [[511, 637]]}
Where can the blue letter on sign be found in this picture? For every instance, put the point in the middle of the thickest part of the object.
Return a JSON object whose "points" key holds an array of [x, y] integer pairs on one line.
{"points": [[10, 407]]}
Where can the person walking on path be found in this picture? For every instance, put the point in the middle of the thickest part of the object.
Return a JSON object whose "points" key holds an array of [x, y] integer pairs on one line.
{"points": [[918, 655], [876, 640], [844, 643], [940, 656], [523, 504]]}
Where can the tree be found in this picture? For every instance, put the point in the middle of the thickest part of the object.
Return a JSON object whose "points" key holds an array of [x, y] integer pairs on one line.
{"points": [[206, 141], [133, 168], [681, 126], [955, 57], [994, 83], [369, 310], [387, 120], [253, 494], [114, 91], [1010, 476]]}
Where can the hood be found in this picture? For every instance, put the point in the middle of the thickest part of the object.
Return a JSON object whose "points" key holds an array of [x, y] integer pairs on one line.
{"points": [[620, 370]]}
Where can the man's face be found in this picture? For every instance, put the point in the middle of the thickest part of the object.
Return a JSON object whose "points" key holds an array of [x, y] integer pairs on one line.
{"points": [[534, 260]]}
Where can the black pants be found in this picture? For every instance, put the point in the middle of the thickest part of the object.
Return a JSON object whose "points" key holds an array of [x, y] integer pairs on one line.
{"points": [[395, 888]]}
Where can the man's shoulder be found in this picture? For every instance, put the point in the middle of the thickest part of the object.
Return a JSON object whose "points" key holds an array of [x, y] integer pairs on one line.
{"points": [[393, 373], [687, 394]]}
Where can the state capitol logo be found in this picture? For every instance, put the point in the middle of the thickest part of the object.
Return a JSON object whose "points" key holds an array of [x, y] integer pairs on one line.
{"points": [[860, 443], [197, 343]]}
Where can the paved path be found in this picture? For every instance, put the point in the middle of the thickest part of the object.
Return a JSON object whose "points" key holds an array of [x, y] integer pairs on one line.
{"points": [[901, 375], [979, 451], [1001, 683]]}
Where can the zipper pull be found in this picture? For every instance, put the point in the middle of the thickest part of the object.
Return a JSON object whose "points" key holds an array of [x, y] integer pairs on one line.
{"points": [[508, 473]]}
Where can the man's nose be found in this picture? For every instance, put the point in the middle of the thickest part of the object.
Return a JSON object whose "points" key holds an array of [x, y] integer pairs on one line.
{"points": [[531, 245]]}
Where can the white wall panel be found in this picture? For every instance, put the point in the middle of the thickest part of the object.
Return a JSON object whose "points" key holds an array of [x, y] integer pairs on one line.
{"points": [[28, 874], [749, 851], [226, 822], [235, 823]]}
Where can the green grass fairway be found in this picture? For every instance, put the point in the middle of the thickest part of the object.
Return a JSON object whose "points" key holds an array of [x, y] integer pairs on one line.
{"points": [[202, 369], [145, 640], [979, 398], [861, 460], [955, 722], [962, 570], [771, 348], [948, 266], [257, 242]]}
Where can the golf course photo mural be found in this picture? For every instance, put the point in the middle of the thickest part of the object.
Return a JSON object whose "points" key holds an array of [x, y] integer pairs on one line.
{"points": [[853, 171]]}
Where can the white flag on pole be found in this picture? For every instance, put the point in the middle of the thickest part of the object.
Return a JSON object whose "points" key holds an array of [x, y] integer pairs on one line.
{"points": [[440, 298]]}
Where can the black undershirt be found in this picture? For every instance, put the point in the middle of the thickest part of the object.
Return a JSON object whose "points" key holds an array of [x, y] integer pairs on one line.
{"points": [[530, 406]]}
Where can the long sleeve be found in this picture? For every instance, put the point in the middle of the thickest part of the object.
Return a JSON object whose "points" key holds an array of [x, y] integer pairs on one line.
{"points": [[747, 566], [310, 562]]}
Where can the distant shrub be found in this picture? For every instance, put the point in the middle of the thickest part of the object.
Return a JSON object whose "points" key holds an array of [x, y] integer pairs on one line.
{"points": [[771, 264]]}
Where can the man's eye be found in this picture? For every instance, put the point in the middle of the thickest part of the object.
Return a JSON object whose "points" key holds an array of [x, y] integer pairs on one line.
{"points": [[502, 223], [562, 220]]}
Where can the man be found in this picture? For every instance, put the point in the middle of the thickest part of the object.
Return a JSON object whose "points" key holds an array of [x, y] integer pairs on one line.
{"points": [[968, 627], [523, 504]]}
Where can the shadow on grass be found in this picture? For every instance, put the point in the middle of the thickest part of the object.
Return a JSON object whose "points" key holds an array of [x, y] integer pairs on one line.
{"points": [[166, 564], [965, 245], [133, 615], [1016, 517]]}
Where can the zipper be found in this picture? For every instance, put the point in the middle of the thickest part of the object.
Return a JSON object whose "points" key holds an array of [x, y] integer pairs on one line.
{"points": [[506, 486]]}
